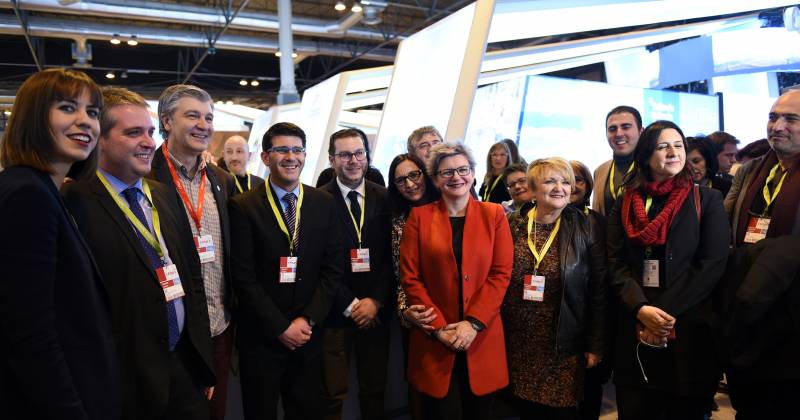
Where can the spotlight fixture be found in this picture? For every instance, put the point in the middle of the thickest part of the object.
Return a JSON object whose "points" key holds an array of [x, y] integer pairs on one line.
{"points": [[277, 53], [7, 112], [242, 82], [124, 75], [220, 103], [255, 83], [115, 39], [228, 102], [132, 41], [340, 6], [357, 7], [110, 75]]}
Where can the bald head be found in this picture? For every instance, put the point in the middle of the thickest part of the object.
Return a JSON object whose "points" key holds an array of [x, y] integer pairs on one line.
{"points": [[236, 154], [783, 126]]}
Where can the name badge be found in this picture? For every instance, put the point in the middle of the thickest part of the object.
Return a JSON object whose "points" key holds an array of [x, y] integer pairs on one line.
{"points": [[756, 229], [650, 274], [533, 288], [359, 260], [170, 281], [288, 270], [205, 248]]}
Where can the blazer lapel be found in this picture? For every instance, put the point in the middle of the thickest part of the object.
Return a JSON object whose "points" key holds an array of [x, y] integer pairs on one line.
{"points": [[108, 203], [344, 215]]}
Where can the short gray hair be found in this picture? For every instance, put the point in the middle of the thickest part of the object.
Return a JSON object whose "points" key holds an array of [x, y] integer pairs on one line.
{"points": [[417, 134], [445, 150], [169, 98]]}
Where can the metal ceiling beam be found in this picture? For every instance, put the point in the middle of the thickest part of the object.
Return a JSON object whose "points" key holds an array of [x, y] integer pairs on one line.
{"points": [[71, 29], [23, 21], [212, 42]]}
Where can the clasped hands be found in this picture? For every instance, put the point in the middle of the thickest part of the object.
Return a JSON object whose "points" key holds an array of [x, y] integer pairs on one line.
{"points": [[457, 336], [657, 325], [298, 334]]}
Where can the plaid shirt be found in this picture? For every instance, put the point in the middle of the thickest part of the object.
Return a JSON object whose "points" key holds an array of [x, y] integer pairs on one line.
{"points": [[213, 277]]}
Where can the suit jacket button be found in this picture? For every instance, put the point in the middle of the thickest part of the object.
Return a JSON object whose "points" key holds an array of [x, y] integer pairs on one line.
{"points": [[466, 278]]}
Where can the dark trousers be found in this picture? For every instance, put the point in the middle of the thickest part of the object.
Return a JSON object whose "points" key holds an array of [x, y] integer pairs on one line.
{"points": [[415, 398], [634, 403], [459, 403], [271, 371], [534, 411], [222, 348], [763, 400], [594, 381], [371, 350], [187, 398]]}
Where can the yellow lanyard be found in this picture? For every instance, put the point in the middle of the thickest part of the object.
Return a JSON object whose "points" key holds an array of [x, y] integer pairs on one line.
{"points": [[586, 211], [538, 256], [360, 224], [143, 230], [489, 190], [279, 215], [769, 198], [238, 185], [647, 204], [616, 192]]}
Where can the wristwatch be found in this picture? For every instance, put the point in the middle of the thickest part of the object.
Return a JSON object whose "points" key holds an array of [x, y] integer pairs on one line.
{"points": [[476, 324]]}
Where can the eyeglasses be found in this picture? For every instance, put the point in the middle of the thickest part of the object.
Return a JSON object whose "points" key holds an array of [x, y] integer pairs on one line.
{"points": [[428, 145], [346, 156], [284, 150], [503, 155], [461, 171], [414, 176], [521, 181]]}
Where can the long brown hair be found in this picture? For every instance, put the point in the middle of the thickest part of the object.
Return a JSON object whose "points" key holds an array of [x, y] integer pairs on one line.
{"points": [[29, 137]]}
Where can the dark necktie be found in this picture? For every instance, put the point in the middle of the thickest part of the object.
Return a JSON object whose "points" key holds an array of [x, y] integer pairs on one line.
{"points": [[291, 213], [355, 208], [130, 195]]}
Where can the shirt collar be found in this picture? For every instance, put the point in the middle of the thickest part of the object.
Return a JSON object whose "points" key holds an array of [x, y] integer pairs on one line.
{"points": [[280, 192], [360, 189], [120, 186], [183, 169]]}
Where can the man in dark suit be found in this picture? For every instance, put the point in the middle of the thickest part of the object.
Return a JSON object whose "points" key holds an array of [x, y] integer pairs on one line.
{"points": [[286, 264], [142, 245], [186, 121], [359, 318], [236, 155]]}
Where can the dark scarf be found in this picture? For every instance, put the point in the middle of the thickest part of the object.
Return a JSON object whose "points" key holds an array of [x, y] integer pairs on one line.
{"points": [[785, 206], [638, 227]]}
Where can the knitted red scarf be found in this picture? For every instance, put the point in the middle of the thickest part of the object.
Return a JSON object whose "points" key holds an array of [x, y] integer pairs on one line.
{"points": [[638, 226]]}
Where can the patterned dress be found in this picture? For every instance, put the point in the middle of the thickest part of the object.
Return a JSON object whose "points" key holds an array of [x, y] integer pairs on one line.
{"points": [[398, 223], [537, 372]]}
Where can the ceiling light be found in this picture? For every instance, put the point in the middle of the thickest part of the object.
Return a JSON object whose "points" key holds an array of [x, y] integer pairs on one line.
{"points": [[7, 112], [228, 102], [357, 7], [255, 83], [277, 53], [220, 103], [124, 75], [110, 75], [132, 41], [242, 82], [115, 39], [340, 6], [294, 55]]}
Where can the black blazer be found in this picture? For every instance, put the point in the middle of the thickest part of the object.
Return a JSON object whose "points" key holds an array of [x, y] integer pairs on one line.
{"points": [[56, 345], [223, 188], [378, 283], [137, 300], [694, 261], [266, 307]]}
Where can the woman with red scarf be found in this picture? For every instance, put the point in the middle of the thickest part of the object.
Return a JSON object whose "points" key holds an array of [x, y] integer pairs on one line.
{"points": [[667, 245]]}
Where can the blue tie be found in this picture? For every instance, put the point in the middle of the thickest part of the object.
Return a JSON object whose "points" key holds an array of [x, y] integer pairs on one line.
{"points": [[130, 195], [290, 215]]}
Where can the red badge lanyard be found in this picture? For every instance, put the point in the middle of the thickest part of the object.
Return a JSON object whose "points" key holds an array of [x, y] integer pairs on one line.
{"points": [[197, 215]]}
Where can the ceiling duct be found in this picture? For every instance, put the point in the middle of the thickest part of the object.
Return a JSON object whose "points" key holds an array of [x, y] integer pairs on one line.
{"points": [[372, 12]]}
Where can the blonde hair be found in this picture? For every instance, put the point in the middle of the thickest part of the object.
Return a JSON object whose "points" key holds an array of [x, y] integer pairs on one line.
{"points": [[538, 167]]}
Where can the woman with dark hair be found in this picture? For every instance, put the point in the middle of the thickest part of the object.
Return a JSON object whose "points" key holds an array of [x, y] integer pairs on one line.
{"points": [[493, 189], [665, 257], [56, 343], [702, 161], [515, 156], [409, 186]]}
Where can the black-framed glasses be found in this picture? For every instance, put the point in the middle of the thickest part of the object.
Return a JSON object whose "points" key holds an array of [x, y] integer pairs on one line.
{"points": [[414, 176], [346, 156], [284, 150], [461, 171], [521, 181]]}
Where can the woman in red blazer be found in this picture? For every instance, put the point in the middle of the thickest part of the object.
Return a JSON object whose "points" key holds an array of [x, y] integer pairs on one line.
{"points": [[456, 257]]}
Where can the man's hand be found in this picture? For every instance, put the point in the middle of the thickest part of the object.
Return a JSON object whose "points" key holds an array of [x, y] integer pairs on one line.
{"points": [[592, 360], [657, 321], [364, 313], [419, 316], [298, 333], [209, 393], [464, 332]]}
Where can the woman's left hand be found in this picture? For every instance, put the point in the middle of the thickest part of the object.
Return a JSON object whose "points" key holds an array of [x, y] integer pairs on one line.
{"points": [[592, 360], [465, 333]]}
